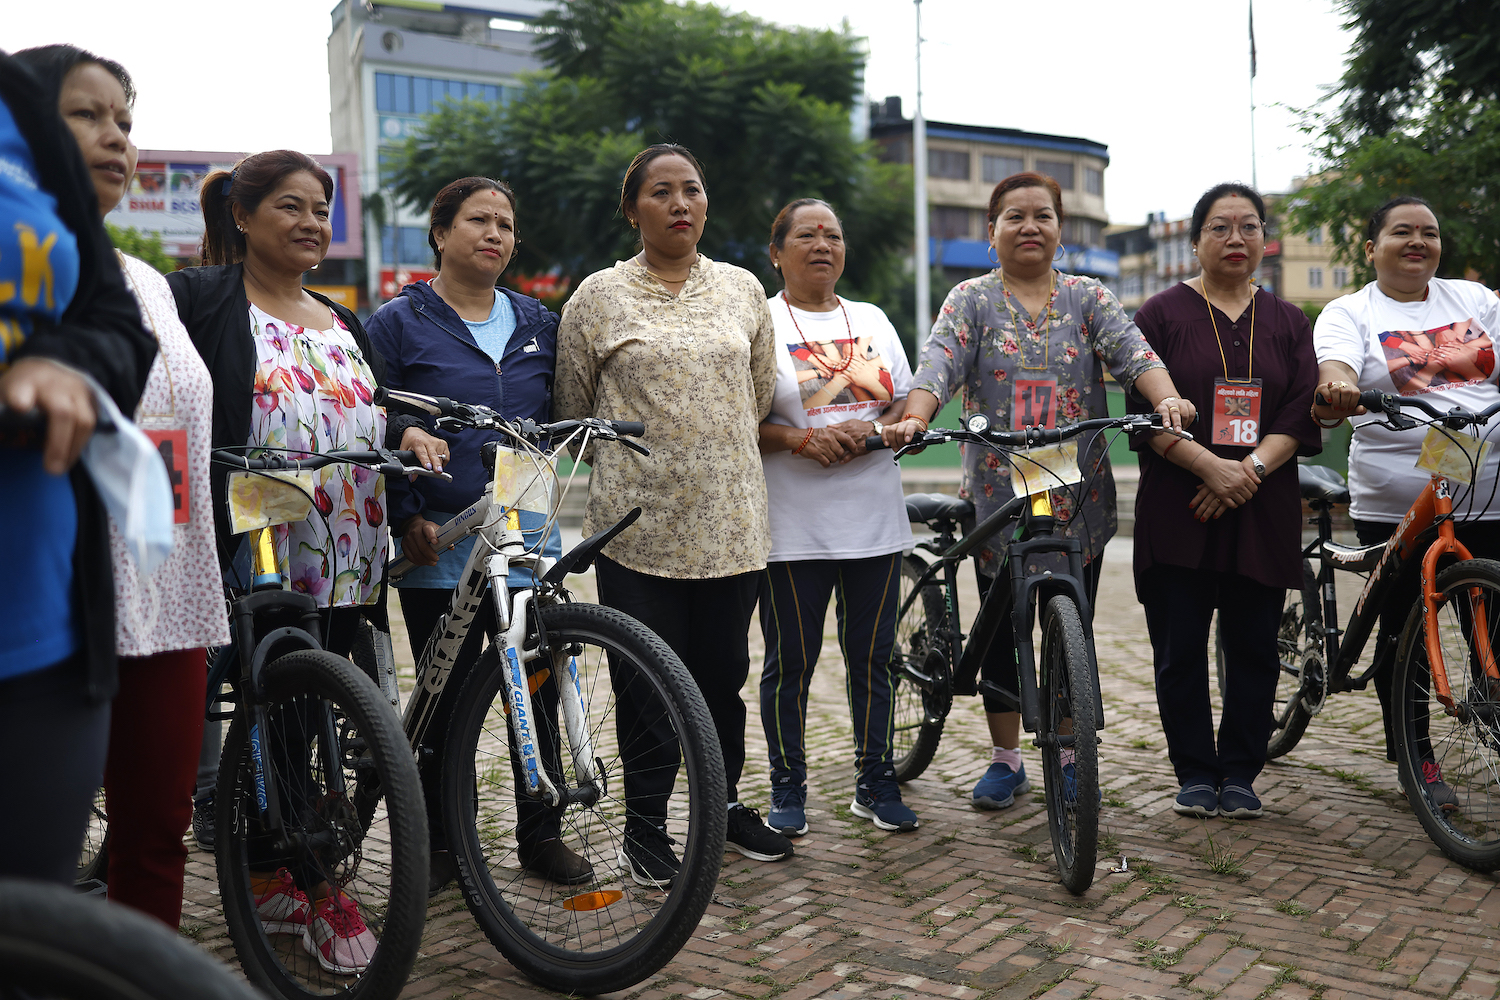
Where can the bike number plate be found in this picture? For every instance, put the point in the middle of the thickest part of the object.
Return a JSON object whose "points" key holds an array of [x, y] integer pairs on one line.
{"points": [[171, 444], [1237, 413], [1034, 404], [1452, 456]]}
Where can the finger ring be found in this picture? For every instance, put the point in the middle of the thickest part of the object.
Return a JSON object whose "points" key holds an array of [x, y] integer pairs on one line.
{"points": [[1173, 406]]}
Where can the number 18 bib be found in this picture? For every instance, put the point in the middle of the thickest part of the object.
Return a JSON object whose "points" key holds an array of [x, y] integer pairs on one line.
{"points": [[1236, 407]]}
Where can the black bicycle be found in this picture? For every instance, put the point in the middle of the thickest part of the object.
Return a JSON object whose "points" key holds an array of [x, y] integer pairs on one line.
{"points": [[1059, 698]]}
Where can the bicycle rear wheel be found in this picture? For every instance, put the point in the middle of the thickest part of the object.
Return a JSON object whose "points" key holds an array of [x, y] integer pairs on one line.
{"points": [[1065, 688], [353, 822], [93, 860], [609, 930], [924, 679], [1458, 752]]}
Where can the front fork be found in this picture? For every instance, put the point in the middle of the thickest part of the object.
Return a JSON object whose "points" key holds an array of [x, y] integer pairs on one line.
{"points": [[512, 613], [1445, 544]]}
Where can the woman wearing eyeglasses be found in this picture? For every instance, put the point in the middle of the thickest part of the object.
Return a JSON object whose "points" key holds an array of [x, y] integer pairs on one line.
{"points": [[1218, 518]]}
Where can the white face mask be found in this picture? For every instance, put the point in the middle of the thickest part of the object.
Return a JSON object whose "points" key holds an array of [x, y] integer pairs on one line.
{"points": [[128, 472]]}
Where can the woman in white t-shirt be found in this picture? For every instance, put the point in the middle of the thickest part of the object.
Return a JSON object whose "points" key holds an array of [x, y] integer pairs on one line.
{"points": [[1411, 333], [838, 520]]}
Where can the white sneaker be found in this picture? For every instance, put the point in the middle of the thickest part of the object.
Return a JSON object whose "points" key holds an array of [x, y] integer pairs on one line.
{"points": [[338, 938]]}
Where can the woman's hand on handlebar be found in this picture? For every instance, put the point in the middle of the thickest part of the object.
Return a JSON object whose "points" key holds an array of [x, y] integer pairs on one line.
{"points": [[1338, 398], [828, 445], [419, 541], [901, 432], [432, 452], [65, 398], [1176, 412]]}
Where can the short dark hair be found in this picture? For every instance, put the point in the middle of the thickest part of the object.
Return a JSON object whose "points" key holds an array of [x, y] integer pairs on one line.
{"points": [[1225, 190], [1025, 179], [788, 214], [1377, 218], [51, 64], [451, 198], [635, 174], [248, 184]]}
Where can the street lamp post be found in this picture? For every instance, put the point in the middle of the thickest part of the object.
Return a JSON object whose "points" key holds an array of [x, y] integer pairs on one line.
{"points": [[922, 250]]}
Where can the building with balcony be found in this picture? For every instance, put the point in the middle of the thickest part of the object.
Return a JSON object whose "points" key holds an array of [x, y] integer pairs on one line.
{"points": [[964, 162], [388, 65]]}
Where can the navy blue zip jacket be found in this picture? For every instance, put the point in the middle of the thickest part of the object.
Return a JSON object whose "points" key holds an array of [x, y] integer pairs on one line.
{"points": [[428, 349]]}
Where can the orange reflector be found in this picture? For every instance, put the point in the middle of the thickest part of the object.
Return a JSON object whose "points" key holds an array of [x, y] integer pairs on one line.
{"points": [[593, 900]]}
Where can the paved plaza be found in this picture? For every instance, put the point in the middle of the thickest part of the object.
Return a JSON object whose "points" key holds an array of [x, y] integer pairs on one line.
{"points": [[1335, 893]]}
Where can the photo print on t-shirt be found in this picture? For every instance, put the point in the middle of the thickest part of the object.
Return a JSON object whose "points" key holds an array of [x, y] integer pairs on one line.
{"points": [[841, 373], [1436, 359]]}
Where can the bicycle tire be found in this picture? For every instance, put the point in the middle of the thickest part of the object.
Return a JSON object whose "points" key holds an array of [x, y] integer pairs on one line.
{"points": [[59, 944], [919, 709], [93, 861], [1464, 747], [378, 857], [607, 933], [1065, 688]]}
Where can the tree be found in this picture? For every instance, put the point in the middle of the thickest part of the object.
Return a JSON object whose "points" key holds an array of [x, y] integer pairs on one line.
{"points": [[1419, 116], [146, 246], [765, 109]]}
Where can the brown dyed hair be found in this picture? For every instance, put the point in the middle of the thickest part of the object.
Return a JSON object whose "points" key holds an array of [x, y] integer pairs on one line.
{"points": [[635, 174], [251, 180], [452, 197], [1025, 180]]}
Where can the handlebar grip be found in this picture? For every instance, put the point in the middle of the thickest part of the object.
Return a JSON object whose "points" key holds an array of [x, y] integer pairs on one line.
{"points": [[630, 428], [1372, 399], [874, 443], [414, 403]]}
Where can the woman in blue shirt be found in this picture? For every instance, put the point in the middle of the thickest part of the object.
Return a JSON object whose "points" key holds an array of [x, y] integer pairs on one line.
{"points": [[462, 337]]}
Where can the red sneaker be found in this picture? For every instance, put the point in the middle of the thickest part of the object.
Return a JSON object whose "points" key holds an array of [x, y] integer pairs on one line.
{"points": [[284, 909], [338, 938]]}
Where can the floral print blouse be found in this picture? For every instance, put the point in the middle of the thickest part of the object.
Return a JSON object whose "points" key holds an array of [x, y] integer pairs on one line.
{"points": [[699, 369], [314, 392], [984, 340]]}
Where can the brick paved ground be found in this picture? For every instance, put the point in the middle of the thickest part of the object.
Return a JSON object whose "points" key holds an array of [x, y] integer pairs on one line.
{"points": [[1335, 893]]}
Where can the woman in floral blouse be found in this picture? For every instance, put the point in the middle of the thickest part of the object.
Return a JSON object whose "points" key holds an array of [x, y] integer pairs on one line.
{"points": [[686, 345], [1028, 345]]}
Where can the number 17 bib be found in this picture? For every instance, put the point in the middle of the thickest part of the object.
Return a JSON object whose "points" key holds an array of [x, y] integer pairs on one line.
{"points": [[1236, 412]]}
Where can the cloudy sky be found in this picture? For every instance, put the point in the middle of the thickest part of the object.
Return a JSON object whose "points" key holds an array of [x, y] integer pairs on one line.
{"points": [[1165, 83]]}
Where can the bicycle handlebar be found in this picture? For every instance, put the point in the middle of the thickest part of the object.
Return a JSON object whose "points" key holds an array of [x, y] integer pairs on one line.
{"points": [[1029, 437], [1376, 401], [455, 416], [386, 463]]}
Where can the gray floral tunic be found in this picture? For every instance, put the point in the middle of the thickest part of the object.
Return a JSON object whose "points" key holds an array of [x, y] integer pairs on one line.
{"points": [[977, 347]]}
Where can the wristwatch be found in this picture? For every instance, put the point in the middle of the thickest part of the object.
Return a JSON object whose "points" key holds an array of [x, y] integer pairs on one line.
{"points": [[1260, 467]]}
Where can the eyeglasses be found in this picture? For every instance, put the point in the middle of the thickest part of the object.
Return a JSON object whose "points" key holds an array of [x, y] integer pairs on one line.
{"points": [[1248, 230]]}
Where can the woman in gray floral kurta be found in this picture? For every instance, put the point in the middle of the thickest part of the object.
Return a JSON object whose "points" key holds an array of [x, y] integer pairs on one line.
{"points": [[987, 345]]}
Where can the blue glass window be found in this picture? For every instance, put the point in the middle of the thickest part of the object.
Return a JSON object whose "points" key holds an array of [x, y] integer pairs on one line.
{"points": [[384, 91]]}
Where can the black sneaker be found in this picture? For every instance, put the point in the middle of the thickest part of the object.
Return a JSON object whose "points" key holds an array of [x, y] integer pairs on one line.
{"points": [[441, 872], [752, 838], [203, 822], [646, 853]]}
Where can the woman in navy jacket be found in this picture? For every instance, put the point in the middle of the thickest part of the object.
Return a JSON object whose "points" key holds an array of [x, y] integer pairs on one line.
{"points": [[462, 337]]}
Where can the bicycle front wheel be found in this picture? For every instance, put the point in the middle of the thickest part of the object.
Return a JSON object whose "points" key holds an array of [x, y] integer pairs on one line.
{"points": [[627, 904], [93, 860], [1449, 760], [1066, 691], [924, 678], [334, 902]]}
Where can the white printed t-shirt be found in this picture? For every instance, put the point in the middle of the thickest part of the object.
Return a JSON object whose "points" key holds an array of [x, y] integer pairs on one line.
{"points": [[1442, 347], [850, 511]]}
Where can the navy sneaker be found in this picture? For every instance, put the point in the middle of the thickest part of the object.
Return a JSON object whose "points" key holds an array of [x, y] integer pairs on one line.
{"points": [[879, 799], [1237, 800], [788, 815], [1070, 786], [1197, 799], [999, 786]]}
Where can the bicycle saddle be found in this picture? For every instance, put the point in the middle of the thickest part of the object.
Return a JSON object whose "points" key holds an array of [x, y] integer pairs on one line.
{"points": [[1319, 482], [923, 507]]}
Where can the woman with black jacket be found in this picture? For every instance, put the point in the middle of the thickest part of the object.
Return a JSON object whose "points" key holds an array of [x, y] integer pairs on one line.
{"points": [[65, 313], [460, 336]]}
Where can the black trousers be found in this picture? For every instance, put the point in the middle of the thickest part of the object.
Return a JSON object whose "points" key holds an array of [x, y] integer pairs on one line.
{"points": [[1481, 538], [999, 664], [707, 624], [421, 608], [1179, 604], [793, 603]]}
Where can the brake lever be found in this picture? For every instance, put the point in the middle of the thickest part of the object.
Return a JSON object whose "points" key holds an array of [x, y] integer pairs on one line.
{"points": [[634, 446]]}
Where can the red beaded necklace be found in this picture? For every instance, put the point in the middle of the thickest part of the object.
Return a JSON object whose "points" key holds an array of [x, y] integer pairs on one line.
{"points": [[838, 369]]}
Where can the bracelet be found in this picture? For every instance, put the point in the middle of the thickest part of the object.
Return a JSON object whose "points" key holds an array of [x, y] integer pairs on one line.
{"points": [[1174, 443], [1338, 422], [805, 439], [1195, 461], [913, 416]]}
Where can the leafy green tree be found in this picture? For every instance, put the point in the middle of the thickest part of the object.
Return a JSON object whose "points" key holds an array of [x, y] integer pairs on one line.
{"points": [[1420, 114], [146, 246], [765, 109]]}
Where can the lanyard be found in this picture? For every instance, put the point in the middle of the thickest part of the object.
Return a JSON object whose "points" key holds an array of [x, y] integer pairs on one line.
{"points": [[1250, 375]]}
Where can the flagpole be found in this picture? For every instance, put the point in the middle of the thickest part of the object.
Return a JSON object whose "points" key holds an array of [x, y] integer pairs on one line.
{"points": [[1254, 180], [922, 250]]}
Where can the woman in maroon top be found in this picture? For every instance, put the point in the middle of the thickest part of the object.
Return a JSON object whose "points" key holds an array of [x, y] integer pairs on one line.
{"points": [[1218, 519]]}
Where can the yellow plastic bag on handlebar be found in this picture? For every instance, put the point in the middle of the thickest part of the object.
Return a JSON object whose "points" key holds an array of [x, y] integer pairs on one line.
{"points": [[522, 481], [1037, 470], [261, 499], [1452, 455]]}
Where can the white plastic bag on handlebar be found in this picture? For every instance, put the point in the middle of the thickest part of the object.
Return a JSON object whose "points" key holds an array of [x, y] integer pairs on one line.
{"points": [[1037, 470], [522, 481]]}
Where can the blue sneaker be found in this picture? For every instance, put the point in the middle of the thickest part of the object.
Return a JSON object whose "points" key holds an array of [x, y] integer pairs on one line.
{"points": [[1197, 799], [999, 786], [1070, 786], [879, 799], [788, 815], [1237, 800]]}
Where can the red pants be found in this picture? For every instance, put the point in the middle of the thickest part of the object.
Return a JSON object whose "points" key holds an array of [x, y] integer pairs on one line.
{"points": [[154, 740]]}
